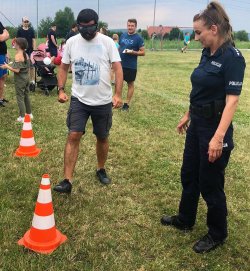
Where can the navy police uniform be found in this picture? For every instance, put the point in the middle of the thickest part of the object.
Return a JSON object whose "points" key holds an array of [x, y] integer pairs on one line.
{"points": [[215, 77]]}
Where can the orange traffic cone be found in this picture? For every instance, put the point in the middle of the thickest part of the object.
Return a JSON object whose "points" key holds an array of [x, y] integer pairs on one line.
{"points": [[43, 237], [27, 145]]}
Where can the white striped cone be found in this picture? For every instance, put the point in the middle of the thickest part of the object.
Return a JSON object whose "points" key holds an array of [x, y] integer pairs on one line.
{"points": [[43, 237], [27, 146]]}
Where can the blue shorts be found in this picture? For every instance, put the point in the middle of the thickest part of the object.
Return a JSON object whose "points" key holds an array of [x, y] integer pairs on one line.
{"points": [[2, 60]]}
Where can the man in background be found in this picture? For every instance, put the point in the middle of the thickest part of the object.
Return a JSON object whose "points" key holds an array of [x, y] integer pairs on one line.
{"points": [[131, 46], [28, 33], [73, 31], [52, 42], [186, 42]]}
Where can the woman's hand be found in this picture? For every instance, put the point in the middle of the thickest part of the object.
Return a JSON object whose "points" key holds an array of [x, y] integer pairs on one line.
{"points": [[183, 124], [215, 148]]}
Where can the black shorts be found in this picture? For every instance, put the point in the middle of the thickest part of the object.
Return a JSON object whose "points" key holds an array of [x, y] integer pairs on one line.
{"points": [[79, 113], [129, 75], [53, 51]]}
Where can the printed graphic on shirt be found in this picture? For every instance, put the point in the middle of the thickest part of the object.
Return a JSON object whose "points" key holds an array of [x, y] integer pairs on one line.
{"points": [[87, 67], [127, 41], [87, 72]]}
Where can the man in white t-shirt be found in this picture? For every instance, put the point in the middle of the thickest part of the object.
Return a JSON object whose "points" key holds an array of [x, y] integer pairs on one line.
{"points": [[90, 54]]}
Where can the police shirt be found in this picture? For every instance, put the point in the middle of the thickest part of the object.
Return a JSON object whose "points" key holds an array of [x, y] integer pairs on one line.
{"points": [[131, 42], [217, 76], [3, 46]]}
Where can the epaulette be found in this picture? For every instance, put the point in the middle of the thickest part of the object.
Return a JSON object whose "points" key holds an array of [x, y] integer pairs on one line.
{"points": [[235, 51]]}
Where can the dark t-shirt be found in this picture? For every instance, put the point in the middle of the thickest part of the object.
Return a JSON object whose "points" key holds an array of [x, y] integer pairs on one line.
{"points": [[51, 33], [3, 46], [217, 76], [29, 35], [131, 42], [70, 34]]}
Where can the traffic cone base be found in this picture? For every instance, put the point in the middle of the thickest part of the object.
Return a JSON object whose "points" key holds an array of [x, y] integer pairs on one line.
{"points": [[44, 248], [19, 152]]}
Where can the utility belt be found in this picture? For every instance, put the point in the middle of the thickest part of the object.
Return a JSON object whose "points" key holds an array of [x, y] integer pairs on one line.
{"points": [[212, 110]]}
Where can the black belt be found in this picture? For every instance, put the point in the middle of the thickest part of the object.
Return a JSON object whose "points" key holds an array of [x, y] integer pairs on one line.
{"points": [[214, 109]]}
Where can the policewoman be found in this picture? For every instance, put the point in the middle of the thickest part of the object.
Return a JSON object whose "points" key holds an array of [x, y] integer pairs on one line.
{"points": [[216, 86]]}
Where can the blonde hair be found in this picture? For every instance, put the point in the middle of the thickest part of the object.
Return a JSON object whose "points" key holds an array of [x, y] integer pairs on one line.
{"points": [[215, 14], [115, 37]]}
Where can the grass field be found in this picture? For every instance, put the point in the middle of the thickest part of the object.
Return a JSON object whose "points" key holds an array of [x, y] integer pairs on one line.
{"points": [[116, 228]]}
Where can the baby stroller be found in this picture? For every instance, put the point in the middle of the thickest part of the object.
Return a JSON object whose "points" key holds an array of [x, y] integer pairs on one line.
{"points": [[48, 79]]}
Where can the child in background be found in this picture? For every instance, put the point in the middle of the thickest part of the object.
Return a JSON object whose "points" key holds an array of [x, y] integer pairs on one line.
{"points": [[115, 38], [186, 42], [20, 68]]}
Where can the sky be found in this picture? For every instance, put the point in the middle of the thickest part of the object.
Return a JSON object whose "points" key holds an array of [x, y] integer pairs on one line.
{"points": [[116, 12]]}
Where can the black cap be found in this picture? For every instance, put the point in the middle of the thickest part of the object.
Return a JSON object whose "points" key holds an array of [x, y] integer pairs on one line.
{"points": [[87, 15]]}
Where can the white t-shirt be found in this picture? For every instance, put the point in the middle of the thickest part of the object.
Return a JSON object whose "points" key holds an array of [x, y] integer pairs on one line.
{"points": [[91, 67]]}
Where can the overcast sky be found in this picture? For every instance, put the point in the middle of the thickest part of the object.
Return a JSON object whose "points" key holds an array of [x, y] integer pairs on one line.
{"points": [[116, 12]]}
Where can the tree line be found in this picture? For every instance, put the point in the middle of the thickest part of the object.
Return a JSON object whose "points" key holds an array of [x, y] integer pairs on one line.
{"points": [[65, 18]]}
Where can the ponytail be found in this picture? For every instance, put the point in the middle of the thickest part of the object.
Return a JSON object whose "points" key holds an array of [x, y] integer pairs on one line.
{"points": [[215, 14], [25, 57]]}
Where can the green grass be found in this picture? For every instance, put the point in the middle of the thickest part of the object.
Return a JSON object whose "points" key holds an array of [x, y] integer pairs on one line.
{"points": [[178, 44], [117, 227]]}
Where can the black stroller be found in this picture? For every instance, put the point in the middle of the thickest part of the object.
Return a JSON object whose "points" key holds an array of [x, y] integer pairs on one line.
{"points": [[48, 80]]}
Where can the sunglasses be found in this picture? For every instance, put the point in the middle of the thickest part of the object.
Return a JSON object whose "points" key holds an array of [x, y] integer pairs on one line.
{"points": [[91, 27], [26, 22]]}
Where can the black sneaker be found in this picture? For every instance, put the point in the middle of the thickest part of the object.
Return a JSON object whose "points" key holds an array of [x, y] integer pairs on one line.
{"points": [[1, 103], [175, 222], [63, 187], [206, 244], [125, 107], [102, 176], [5, 101]]}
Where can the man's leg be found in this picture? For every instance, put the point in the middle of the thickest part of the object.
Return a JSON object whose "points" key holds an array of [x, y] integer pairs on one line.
{"points": [[71, 154], [70, 157], [131, 89], [102, 148], [2, 80], [102, 122], [3, 74]]}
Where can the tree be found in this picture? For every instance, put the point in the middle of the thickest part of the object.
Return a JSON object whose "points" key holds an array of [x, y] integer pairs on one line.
{"points": [[102, 24], [242, 35], [144, 34], [175, 34], [166, 36], [63, 21], [44, 27], [12, 31]]}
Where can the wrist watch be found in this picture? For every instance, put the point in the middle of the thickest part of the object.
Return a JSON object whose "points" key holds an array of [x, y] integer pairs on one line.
{"points": [[61, 88]]}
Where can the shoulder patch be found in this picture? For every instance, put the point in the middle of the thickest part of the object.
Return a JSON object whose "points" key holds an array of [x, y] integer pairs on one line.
{"points": [[235, 51]]}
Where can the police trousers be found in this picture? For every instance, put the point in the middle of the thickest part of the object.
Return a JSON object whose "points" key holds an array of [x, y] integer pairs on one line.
{"points": [[199, 176]]}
